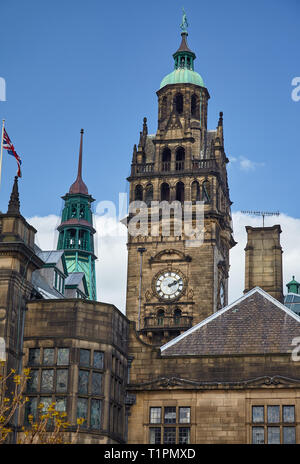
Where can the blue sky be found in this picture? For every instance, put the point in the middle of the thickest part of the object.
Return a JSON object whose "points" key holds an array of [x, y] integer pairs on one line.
{"points": [[97, 65]]}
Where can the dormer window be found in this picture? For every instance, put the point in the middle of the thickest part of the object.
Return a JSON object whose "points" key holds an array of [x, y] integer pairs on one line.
{"points": [[59, 282]]}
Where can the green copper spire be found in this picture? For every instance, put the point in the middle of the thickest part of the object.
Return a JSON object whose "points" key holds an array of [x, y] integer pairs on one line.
{"points": [[293, 286], [76, 230], [183, 63]]}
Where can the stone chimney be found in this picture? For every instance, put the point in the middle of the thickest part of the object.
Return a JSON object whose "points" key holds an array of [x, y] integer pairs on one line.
{"points": [[263, 263]]}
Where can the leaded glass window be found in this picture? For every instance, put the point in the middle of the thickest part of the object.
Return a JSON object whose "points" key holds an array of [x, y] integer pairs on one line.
{"points": [[273, 435], [95, 414], [184, 435], [169, 435], [63, 356], [47, 380], [34, 356], [170, 415], [184, 415], [155, 415], [82, 407], [258, 435], [273, 414], [96, 383], [46, 401], [85, 356], [61, 380], [98, 360], [83, 382], [155, 435], [61, 404], [288, 413], [257, 414], [31, 409], [48, 356], [289, 435], [32, 382]]}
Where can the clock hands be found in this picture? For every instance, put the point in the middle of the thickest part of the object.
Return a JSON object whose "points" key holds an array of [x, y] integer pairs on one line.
{"points": [[173, 283]]}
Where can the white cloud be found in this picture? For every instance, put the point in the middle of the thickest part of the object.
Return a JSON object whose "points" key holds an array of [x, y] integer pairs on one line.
{"points": [[245, 164], [110, 247]]}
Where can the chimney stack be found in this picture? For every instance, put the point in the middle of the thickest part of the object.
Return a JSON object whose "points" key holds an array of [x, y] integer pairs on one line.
{"points": [[263, 263]]}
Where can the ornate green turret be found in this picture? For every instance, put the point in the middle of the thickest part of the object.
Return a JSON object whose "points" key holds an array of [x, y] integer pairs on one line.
{"points": [[76, 230], [293, 286], [183, 63]]}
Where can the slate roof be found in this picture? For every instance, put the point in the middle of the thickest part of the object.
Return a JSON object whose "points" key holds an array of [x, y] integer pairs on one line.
{"points": [[74, 278], [255, 324], [42, 286], [51, 257]]}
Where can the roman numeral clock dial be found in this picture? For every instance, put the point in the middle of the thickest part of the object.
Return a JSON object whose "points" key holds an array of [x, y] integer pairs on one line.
{"points": [[169, 285]]}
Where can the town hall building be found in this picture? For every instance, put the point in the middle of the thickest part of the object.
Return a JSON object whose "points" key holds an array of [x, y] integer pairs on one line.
{"points": [[182, 366]]}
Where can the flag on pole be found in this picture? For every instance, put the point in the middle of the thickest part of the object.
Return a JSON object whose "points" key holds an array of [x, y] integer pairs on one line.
{"points": [[7, 145]]}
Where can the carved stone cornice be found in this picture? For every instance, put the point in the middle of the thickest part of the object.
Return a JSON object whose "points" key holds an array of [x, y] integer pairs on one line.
{"points": [[257, 382]]}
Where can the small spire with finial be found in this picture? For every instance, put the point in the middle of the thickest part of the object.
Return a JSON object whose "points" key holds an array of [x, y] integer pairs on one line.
{"points": [[14, 201], [79, 186], [220, 123]]}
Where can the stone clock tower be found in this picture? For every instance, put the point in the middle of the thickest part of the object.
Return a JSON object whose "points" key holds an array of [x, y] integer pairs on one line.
{"points": [[172, 285]]}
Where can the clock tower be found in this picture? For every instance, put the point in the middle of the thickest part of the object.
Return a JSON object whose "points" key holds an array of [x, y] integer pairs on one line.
{"points": [[172, 285]]}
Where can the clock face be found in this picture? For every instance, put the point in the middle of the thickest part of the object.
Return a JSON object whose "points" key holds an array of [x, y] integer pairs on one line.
{"points": [[169, 285]]}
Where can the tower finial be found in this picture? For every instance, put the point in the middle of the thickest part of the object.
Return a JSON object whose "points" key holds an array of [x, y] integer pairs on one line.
{"points": [[79, 186], [184, 25], [14, 202]]}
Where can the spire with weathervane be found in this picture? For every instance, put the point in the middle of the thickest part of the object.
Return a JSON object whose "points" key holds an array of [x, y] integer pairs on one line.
{"points": [[76, 230]]}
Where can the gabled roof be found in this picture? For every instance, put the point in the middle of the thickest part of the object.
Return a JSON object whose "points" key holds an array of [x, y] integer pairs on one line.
{"points": [[256, 323], [52, 257]]}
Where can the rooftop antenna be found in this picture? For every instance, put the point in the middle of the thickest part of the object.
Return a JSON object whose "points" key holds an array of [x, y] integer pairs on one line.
{"points": [[262, 213]]}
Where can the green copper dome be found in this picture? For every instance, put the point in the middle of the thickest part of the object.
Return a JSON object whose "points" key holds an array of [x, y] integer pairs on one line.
{"points": [[183, 63], [182, 76]]}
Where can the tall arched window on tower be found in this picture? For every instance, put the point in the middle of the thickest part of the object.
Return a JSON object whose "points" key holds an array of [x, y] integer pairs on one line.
{"points": [[166, 159], [177, 316], [148, 194], [194, 107], [138, 193], [82, 240], [206, 191], [180, 156], [165, 192], [195, 190], [180, 191], [70, 240], [160, 317], [178, 100]]}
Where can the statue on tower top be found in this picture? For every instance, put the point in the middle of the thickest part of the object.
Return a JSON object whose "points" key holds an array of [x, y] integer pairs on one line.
{"points": [[184, 25]]}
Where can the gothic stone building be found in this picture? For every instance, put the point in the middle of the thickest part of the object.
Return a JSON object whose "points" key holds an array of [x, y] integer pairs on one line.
{"points": [[182, 366]]}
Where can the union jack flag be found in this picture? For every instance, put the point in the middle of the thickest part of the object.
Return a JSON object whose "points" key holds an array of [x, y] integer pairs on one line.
{"points": [[11, 151]]}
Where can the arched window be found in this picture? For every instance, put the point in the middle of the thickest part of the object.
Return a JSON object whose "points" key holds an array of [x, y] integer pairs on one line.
{"points": [[166, 159], [70, 238], [178, 103], [180, 191], [177, 316], [138, 193], [180, 156], [148, 194], [82, 240], [195, 191], [194, 106], [165, 192], [160, 317], [206, 191]]}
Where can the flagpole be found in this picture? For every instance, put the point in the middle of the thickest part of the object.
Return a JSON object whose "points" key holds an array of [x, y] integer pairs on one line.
{"points": [[2, 134]]}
